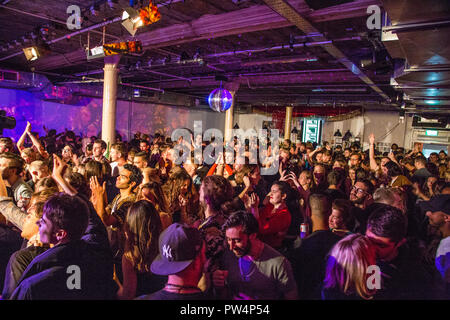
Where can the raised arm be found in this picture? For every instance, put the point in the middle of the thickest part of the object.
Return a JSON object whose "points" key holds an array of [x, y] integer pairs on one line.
{"points": [[57, 174], [38, 145], [99, 201], [373, 163], [21, 140]]}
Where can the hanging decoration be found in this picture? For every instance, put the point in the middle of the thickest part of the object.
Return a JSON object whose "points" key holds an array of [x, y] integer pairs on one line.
{"points": [[220, 100]]}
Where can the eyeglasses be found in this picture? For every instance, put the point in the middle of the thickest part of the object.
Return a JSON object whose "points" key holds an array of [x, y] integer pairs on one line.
{"points": [[358, 190]]}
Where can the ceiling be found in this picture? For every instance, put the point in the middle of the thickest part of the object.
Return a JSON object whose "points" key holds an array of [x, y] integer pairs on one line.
{"points": [[276, 52]]}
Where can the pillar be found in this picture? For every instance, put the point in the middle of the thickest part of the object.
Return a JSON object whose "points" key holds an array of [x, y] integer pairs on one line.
{"points": [[229, 120], [109, 99], [287, 123]]}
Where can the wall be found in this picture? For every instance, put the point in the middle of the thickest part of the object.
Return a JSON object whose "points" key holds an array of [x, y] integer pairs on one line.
{"points": [[85, 118], [385, 125]]}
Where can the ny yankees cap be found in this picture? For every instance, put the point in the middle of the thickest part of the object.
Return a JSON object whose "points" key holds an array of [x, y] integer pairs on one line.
{"points": [[178, 247]]}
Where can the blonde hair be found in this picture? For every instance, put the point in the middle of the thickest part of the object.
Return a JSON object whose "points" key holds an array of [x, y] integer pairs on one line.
{"points": [[347, 266]]}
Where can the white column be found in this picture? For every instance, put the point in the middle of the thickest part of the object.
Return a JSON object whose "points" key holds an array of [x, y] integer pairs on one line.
{"points": [[287, 123], [109, 99], [229, 120]]}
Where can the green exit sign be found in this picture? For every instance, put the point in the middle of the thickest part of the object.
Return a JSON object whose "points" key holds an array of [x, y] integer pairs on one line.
{"points": [[431, 133]]}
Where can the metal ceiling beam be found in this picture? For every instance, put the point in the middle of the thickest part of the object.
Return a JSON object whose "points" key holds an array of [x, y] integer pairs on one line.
{"points": [[284, 9]]}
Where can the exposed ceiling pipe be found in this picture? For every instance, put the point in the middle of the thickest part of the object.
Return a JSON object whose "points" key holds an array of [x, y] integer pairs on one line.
{"points": [[50, 19], [91, 28], [284, 9], [282, 47], [281, 60]]}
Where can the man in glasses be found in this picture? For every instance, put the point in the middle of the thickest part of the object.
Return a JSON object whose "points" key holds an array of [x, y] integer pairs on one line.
{"points": [[361, 194], [251, 269], [404, 275], [361, 197]]}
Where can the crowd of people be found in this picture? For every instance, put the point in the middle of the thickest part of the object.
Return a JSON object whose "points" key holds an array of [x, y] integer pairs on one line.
{"points": [[83, 220]]}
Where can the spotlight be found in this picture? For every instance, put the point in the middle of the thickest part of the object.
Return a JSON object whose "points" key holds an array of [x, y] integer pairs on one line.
{"points": [[31, 53], [6, 122], [131, 20], [35, 52], [95, 53]]}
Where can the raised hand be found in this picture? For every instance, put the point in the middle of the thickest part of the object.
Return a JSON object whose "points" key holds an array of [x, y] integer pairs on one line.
{"points": [[372, 138], [28, 128], [98, 190], [58, 166], [283, 175], [246, 180]]}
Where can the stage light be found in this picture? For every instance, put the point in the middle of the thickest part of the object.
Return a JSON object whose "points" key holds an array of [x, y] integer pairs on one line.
{"points": [[131, 20], [35, 52], [6, 122], [95, 53], [31, 53]]}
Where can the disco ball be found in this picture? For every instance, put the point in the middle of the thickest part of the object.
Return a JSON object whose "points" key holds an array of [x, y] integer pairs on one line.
{"points": [[220, 100]]}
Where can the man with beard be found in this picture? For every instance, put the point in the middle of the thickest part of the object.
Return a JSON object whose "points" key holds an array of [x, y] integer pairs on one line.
{"points": [[404, 274], [11, 167], [251, 269], [361, 197], [113, 215]]}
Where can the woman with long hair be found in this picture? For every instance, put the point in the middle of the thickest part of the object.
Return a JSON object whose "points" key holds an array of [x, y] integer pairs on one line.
{"points": [[216, 194], [142, 228], [346, 272], [152, 192], [182, 197]]}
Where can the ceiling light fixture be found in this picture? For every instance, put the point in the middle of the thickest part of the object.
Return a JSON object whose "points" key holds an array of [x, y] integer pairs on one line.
{"points": [[133, 19]]}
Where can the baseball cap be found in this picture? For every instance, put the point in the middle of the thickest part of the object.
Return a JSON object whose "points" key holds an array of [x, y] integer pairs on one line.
{"points": [[437, 203], [178, 247]]}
